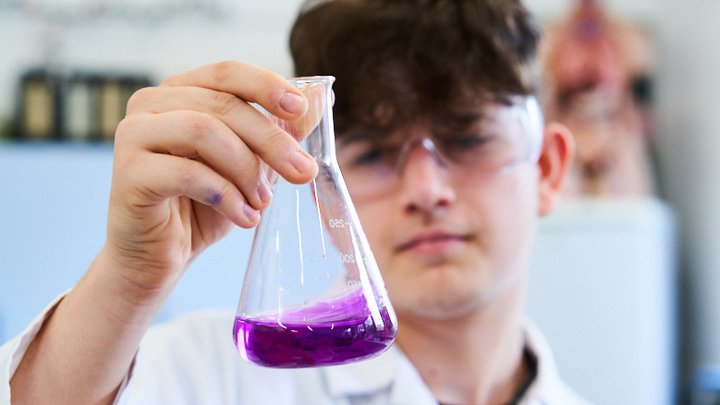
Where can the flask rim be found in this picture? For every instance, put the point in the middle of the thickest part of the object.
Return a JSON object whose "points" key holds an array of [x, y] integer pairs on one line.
{"points": [[301, 80]]}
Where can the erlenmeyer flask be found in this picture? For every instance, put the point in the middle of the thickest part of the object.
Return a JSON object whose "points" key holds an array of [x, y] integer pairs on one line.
{"points": [[312, 295]]}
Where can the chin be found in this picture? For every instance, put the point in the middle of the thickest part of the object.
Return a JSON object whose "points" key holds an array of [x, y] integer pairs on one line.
{"points": [[437, 311], [443, 300], [439, 304]]}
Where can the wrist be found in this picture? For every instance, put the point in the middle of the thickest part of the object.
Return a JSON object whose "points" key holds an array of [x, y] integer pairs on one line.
{"points": [[126, 290]]}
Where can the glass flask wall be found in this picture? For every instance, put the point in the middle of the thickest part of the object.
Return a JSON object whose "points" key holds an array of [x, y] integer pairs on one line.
{"points": [[313, 294]]}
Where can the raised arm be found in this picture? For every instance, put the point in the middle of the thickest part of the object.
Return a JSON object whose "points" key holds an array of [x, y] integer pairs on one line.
{"points": [[186, 168]]}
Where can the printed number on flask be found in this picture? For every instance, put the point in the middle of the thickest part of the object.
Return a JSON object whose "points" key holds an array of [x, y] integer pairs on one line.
{"points": [[347, 258], [337, 223]]}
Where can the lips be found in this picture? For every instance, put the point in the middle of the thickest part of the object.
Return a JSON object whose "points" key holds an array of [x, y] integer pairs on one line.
{"points": [[431, 241]]}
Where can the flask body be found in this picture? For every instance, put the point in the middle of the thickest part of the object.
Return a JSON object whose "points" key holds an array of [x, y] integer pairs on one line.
{"points": [[312, 294]]}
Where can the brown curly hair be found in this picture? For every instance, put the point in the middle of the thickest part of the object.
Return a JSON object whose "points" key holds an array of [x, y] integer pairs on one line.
{"points": [[399, 61]]}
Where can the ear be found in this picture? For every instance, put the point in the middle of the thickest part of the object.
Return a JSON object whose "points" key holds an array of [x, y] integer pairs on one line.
{"points": [[557, 152]]}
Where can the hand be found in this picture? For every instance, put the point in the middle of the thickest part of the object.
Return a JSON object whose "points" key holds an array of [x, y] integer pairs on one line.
{"points": [[187, 165]]}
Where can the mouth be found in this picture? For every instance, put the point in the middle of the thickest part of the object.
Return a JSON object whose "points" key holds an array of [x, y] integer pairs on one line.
{"points": [[432, 243]]}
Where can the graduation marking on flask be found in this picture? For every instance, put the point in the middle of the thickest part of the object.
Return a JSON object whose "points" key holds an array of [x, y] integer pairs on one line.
{"points": [[320, 221], [299, 235]]}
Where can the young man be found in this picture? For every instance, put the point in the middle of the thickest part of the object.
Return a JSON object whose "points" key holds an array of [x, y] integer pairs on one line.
{"points": [[441, 144]]}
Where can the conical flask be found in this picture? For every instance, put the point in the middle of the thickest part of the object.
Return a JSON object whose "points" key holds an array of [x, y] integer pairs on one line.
{"points": [[312, 294]]}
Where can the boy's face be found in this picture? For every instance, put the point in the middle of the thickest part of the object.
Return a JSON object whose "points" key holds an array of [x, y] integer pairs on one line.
{"points": [[450, 216]]}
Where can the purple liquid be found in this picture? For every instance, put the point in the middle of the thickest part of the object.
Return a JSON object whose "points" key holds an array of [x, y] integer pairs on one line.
{"points": [[293, 345]]}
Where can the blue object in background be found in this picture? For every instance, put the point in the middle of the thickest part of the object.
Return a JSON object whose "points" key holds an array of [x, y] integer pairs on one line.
{"points": [[52, 216], [53, 208], [706, 385]]}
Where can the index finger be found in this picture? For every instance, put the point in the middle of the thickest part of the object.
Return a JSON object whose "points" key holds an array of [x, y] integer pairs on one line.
{"points": [[248, 82]]}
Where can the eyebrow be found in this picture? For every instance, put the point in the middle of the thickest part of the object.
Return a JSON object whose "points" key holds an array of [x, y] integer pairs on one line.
{"points": [[467, 122], [359, 136]]}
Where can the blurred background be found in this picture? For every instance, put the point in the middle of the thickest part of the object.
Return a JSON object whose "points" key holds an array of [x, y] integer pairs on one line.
{"points": [[625, 282]]}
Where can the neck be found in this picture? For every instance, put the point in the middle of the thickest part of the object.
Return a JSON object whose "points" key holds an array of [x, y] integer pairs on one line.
{"points": [[474, 359]]}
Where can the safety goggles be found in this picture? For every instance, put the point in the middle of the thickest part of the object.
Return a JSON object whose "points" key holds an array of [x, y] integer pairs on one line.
{"points": [[502, 136]]}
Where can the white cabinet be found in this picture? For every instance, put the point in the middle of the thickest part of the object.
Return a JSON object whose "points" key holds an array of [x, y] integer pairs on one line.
{"points": [[603, 290]]}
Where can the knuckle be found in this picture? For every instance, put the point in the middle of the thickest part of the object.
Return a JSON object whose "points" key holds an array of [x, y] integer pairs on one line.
{"points": [[224, 103], [275, 84], [200, 126], [221, 196], [276, 139], [249, 169], [124, 126], [224, 193], [124, 129], [171, 80], [186, 172], [268, 77], [139, 98], [222, 72], [227, 143]]}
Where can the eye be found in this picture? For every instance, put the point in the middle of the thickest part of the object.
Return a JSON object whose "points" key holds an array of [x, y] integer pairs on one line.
{"points": [[369, 156], [469, 147], [465, 142], [363, 154]]}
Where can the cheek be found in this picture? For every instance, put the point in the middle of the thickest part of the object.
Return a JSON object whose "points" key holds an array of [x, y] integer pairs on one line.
{"points": [[510, 205], [524, 217], [377, 225], [374, 221], [516, 191]]}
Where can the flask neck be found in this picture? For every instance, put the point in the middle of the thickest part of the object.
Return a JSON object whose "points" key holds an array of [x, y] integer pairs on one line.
{"points": [[318, 122]]}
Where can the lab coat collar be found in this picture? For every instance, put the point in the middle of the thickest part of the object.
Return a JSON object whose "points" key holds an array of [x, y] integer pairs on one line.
{"points": [[390, 372], [548, 387]]}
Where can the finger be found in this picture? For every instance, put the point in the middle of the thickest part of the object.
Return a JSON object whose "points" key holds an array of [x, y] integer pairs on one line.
{"points": [[154, 100], [223, 105], [248, 82], [158, 177], [193, 134], [274, 145], [301, 127]]}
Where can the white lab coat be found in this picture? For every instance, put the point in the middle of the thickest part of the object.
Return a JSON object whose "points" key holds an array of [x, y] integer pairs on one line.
{"points": [[192, 360]]}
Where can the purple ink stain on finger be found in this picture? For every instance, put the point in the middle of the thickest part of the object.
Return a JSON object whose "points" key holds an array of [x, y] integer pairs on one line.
{"points": [[215, 198]]}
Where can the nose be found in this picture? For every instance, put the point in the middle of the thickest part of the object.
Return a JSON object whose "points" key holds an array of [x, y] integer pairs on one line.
{"points": [[425, 180]]}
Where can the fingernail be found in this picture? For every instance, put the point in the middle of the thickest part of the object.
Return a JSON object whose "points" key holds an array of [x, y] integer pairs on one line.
{"points": [[264, 192], [251, 214], [292, 103], [301, 161]]}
